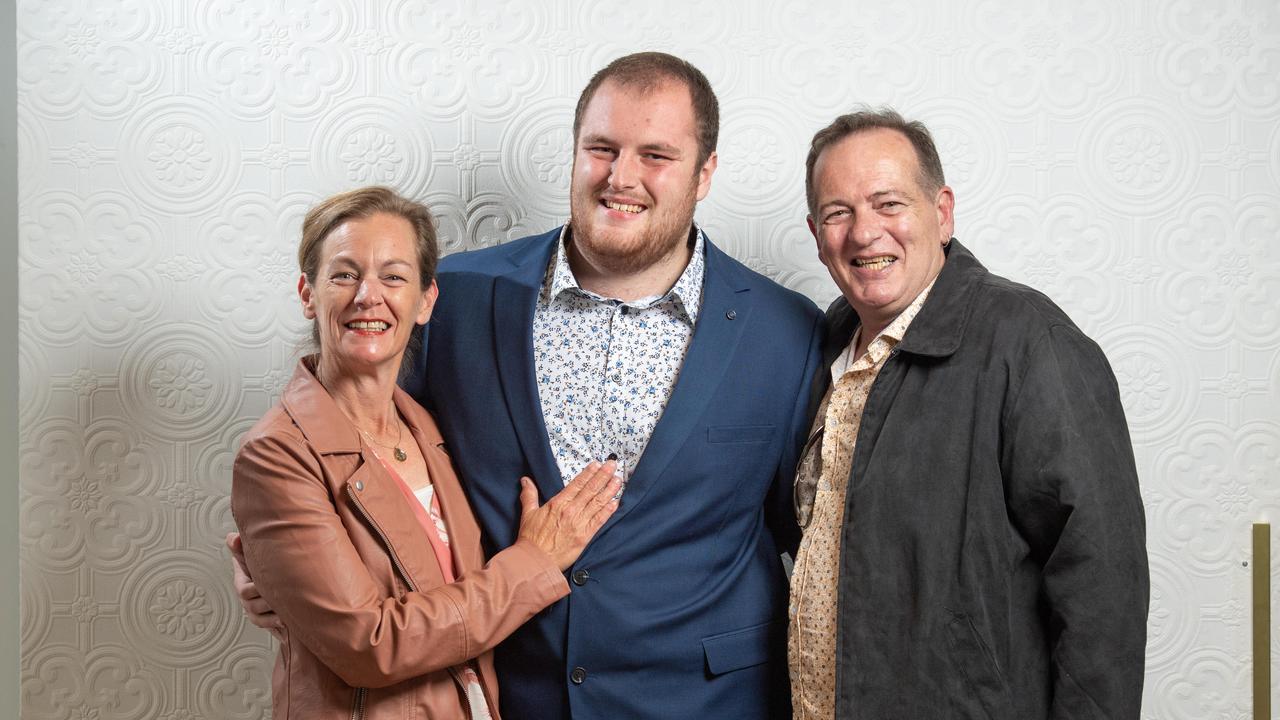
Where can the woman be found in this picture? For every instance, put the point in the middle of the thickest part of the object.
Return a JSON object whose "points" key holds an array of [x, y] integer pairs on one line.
{"points": [[353, 524]]}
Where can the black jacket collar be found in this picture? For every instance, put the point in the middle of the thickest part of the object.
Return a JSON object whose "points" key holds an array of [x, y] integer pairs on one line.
{"points": [[939, 328]]}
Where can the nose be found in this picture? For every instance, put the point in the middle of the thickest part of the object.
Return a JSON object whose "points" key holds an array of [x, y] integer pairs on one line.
{"points": [[866, 227], [623, 172], [369, 294]]}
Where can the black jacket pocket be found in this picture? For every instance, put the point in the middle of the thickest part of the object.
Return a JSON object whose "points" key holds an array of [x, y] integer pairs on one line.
{"points": [[975, 662]]}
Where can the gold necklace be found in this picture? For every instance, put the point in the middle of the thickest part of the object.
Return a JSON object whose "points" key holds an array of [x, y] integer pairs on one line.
{"points": [[400, 455]]}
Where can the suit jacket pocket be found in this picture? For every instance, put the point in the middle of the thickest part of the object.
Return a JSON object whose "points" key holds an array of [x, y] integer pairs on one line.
{"points": [[740, 433], [737, 649]]}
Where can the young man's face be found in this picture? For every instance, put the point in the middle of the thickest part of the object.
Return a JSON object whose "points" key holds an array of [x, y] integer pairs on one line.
{"points": [[636, 175]]}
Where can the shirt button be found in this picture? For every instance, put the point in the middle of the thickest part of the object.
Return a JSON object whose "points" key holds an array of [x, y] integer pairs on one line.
{"points": [[578, 675], [580, 577], [359, 485]]}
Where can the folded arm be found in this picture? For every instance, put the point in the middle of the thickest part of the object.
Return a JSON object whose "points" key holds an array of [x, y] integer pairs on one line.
{"points": [[308, 571]]}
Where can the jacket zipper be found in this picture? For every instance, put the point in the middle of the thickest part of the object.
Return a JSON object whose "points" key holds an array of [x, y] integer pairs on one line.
{"points": [[457, 676], [391, 552], [357, 709], [358, 712]]}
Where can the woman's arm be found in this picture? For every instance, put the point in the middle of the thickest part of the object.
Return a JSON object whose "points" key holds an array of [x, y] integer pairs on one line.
{"points": [[309, 572]]}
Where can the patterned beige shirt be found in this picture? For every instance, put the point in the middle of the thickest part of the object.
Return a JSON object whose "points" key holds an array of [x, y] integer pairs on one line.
{"points": [[811, 636]]}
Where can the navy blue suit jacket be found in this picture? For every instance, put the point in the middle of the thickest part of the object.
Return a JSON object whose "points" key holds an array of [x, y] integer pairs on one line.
{"points": [[680, 608]]}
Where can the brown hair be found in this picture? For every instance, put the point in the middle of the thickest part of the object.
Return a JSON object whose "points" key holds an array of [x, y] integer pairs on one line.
{"points": [[328, 214], [645, 72], [930, 175], [331, 212]]}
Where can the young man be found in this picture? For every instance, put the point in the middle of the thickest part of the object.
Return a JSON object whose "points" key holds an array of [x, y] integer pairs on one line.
{"points": [[628, 333]]}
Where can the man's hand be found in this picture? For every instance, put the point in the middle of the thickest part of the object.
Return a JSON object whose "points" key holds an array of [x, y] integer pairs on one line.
{"points": [[255, 606]]}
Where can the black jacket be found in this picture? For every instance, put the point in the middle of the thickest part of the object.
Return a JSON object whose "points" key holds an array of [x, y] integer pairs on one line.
{"points": [[993, 560]]}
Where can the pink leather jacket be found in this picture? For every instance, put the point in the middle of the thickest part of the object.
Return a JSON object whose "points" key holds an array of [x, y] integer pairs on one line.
{"points": [[373, 631]]}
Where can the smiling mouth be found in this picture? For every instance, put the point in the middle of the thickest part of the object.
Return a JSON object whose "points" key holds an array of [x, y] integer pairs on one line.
{"points": [[375, 325], [876, 263], [622, 207]]}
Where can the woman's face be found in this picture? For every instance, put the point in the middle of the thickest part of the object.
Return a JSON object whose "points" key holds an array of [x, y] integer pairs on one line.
{"points": [[368, 294]]}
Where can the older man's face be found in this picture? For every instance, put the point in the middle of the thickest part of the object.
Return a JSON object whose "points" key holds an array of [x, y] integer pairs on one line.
{"points": [[880, 234], [636, 175]]}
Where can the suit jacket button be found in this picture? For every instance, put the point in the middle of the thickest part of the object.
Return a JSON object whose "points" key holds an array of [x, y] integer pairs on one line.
{"points": [[731, 314], [578, 675], [580, 577], [359, 485]]}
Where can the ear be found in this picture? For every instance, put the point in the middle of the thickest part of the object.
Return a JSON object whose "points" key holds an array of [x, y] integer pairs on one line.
{"points": [[305, 293], [946, 205], [428, 303], [817, 239], [705, 173]]}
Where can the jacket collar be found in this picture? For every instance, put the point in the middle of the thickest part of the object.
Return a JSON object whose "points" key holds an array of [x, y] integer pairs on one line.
{"points": [[939, 328], [327, 428]]}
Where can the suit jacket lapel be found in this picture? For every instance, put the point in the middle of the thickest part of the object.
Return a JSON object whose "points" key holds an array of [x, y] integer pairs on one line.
{"points": [[726, 310], [515, 295]]}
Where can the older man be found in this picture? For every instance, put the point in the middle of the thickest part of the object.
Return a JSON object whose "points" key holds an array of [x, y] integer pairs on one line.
{"points": [[973, 533], [627, 333]]}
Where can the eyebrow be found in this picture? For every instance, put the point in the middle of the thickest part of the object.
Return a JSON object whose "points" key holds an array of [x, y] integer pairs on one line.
{"points": [[664, 148], [877, 195], [348, 262]]}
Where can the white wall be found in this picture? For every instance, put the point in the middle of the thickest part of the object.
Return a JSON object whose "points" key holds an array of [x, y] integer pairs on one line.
{"points": [[1122, 157], [9, 617]]}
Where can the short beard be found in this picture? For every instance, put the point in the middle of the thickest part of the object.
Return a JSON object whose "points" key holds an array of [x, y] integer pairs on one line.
{"points": [[635, 254]]}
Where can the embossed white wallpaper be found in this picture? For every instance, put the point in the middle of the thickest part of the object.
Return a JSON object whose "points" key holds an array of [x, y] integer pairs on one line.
{"points": [[1122, 157]]}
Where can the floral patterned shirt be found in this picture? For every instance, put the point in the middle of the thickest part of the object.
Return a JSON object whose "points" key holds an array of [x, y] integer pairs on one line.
{"points": [[606, 368]]}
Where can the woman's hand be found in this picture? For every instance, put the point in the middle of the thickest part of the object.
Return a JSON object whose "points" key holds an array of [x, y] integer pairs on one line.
{"points": [[563, 527]]}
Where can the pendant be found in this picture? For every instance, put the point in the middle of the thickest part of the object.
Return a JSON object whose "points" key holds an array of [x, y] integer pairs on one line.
{"points": [[400, 455]]}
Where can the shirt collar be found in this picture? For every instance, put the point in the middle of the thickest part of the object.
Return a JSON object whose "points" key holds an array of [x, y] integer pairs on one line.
{"points": [[686, 293], [881, 344]]}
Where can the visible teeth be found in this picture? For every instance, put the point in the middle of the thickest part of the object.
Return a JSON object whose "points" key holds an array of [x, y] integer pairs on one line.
{"points": [[879, 263], [623, 208], [368, 325]]}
